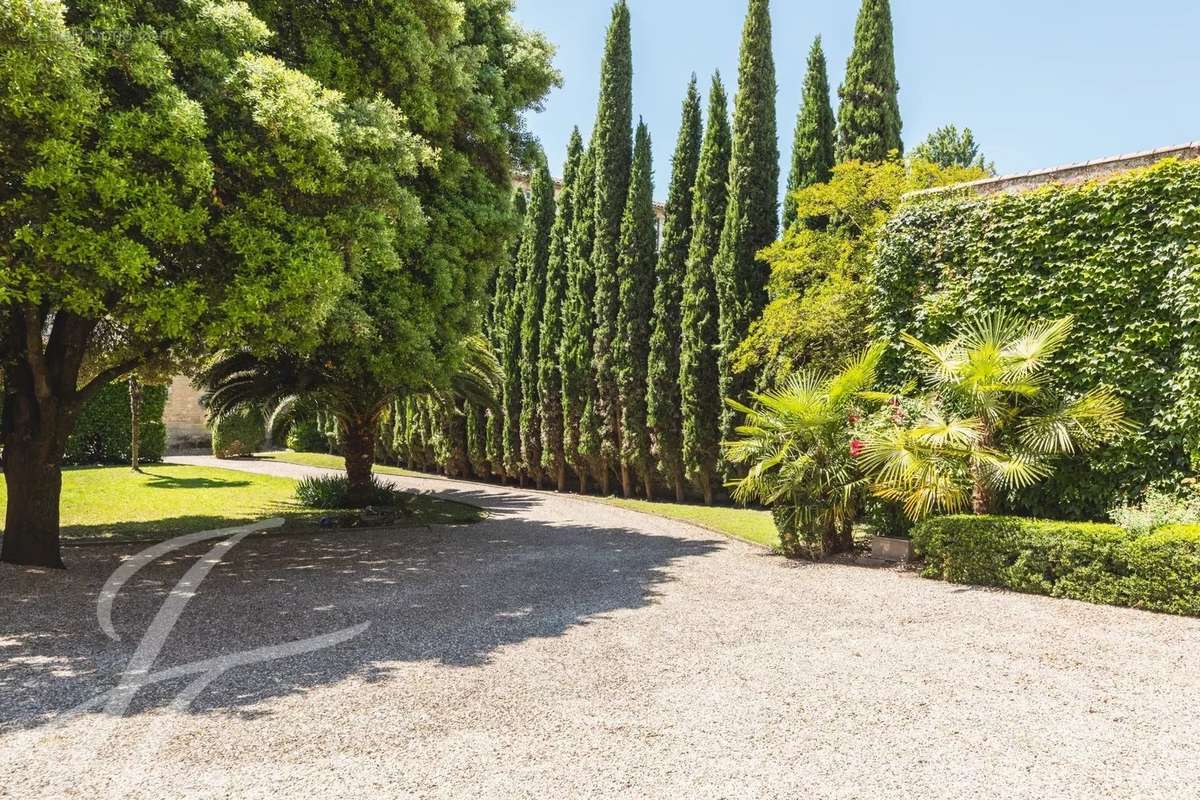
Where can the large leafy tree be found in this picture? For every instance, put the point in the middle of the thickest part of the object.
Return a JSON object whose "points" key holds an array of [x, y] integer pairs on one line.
{"points": [[869, 121], [612, 151], [752, 216], [550, 357], [663, 406], [580, 437], [534, 260], [992, 423], [462, 74], [168, 186], [820, 277], [698, 353], [813, 146], [631, 348]]}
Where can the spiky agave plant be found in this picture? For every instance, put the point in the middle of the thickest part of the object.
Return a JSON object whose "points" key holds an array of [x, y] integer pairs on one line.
{"points": [[991, 423], [796, 443]]}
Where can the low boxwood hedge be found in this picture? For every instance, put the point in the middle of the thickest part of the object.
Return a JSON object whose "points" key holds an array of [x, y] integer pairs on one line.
{"points": [[1095, 563]]}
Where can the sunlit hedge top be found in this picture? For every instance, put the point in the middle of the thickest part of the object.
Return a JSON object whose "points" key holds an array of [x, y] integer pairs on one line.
{"points": [[1122, 256]]}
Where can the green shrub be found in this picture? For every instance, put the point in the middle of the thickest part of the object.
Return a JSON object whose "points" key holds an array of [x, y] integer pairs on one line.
{"points": [[306, 436], [1159, 509], [1081, 561], [332, 492], [1121, 256], [241, 433], [104, 431]]}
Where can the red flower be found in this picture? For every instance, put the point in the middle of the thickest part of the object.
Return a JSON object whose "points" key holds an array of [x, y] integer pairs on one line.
{"points": [[856, 447]]}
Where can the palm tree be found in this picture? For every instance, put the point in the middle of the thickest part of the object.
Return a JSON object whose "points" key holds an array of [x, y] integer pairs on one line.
{"points": [[992, 422], [801, 457], [282, 384]]}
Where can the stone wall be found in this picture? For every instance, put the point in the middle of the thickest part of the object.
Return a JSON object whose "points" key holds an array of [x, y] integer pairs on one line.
{"points": [[184, 418], [1070, 173]]}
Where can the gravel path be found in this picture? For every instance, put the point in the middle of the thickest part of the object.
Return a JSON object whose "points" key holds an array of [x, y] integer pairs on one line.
{"points": [[565, 649]]}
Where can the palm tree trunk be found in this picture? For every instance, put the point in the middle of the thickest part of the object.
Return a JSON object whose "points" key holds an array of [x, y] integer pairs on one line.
{"points": [[358, 444]]}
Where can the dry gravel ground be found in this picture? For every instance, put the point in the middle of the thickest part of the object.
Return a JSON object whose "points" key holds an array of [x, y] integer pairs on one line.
{"points": [[566, 649]]}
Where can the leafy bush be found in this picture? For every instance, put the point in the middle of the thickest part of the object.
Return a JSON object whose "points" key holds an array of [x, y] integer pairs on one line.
{"points": [[306, 436], [103, 431], [239, 433], [332, 492], [1121, 257], [1158, 510], [1081, 561]]}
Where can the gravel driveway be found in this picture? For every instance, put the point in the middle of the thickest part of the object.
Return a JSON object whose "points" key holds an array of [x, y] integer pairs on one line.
{"points": [[565, 649]]}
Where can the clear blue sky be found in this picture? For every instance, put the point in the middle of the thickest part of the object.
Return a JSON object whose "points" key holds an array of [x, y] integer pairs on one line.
{"points": [[1041, 82]]}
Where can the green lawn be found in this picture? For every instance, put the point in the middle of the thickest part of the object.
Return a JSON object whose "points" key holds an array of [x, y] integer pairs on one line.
{"points": [[331, 462], [740, 523], [166, 500]]}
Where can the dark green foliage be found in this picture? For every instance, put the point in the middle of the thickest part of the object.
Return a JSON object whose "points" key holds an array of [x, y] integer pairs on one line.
{"points": [[698, 359], [947, 147], [306, 436], [631, 347], [612, 149], [103, 431], [497, 329], [663, 405], [1081, 561], [1121, 257], [752, 217], [579, 385], [533, 261], [509, 318], [869, 115], [813, 146], [238, 433], [332, 493], [550, 372]]}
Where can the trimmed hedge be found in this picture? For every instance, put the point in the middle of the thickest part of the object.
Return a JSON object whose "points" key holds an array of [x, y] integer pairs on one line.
{"points": [[104, 429], [1122, 256], [241, 433], [1081, 561]]}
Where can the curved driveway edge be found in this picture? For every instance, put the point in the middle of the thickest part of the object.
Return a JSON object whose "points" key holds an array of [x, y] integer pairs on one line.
{"points": [[564, 648]]}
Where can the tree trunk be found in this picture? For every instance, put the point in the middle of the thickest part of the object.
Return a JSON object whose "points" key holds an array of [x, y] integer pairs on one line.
{"points": [[605, 479], [648, 482], [706, 486], [35, 436], [981, 494], [582, 472], [135, 422], [836, 539], [358, 444], [680, 485], [562, 475], [626, 480]]}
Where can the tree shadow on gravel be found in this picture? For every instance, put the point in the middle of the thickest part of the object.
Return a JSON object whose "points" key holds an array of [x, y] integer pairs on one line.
{"points": [[453, 595]]}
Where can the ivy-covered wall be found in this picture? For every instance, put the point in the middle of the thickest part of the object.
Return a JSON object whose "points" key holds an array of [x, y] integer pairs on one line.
{"points": [[1122, 256], [103, 431]]}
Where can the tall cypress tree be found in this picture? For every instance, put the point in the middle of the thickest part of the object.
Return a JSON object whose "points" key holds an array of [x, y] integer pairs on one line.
{"points": [[813, 147], [663, 408], [612, 143], [631, 347], [869, 116], [579, 385], [497, 332], [752, 217], [550, 374], [532, 263], [698, 357]]}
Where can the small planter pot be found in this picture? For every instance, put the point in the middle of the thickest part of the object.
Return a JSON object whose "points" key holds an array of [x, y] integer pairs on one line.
{"points": [[886, 548]]}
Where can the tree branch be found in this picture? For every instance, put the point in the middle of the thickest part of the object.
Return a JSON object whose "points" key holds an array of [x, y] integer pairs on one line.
{"points": [[34, 355]]}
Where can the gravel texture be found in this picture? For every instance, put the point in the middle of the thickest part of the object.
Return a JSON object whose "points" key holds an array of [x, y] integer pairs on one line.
{"points": [[567, 649]]}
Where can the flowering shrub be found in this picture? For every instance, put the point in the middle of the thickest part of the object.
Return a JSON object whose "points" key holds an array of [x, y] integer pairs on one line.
{"points": [[1160, 508]]}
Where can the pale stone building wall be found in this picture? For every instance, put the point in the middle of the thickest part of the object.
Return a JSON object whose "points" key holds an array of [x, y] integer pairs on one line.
{"points": [[184, 418]]}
